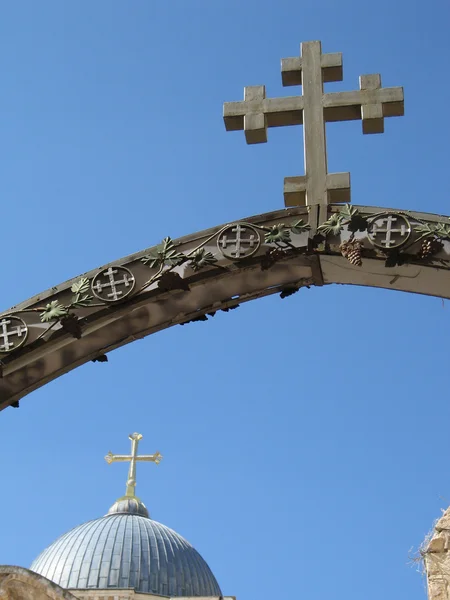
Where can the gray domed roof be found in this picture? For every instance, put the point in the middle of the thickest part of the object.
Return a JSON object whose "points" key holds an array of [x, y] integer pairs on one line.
{"points": [[130, 506], [126, 549]]}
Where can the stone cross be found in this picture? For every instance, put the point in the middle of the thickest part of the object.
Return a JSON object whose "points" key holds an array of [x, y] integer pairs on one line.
{"points": [[387, 226], [131, 483], [115, 293], [371, 103], [240, 243], [6, 333]]}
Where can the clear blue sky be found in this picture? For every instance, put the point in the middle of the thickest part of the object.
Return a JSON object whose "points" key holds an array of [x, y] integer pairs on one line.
{"points": [[305, 441]]}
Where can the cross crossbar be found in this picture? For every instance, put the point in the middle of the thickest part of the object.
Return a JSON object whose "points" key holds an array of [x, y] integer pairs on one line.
{"points": [[370, 104], [132, 459]]}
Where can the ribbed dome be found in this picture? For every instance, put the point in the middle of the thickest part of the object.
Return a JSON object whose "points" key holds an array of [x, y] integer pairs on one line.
{"points": [[123, 550]]}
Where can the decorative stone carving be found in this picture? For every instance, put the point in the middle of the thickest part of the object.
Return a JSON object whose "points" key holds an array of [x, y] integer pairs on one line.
{"points": [[113, 284], [371, 103], [239, 241], [52, 315], [389, 231], [13, 333], [17, 583]]}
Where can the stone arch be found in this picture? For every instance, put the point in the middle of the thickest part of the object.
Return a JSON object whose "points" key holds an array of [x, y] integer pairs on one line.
{"points": [[17, 583], [191, 278]]}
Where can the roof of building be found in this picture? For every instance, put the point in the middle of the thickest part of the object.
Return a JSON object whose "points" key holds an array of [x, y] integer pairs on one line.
{"points": [[127, 549]]}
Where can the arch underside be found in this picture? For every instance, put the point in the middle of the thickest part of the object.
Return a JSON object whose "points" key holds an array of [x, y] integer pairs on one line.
{"points": [[193, 277]]}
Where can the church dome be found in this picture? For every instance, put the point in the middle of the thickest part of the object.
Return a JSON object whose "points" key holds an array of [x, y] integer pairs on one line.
{"points": [[127, 550]]}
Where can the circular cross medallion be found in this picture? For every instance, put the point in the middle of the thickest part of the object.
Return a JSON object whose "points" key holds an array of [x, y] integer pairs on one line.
{"points": [[389, 231], [13, 333], [239, 241], [113, 284]]}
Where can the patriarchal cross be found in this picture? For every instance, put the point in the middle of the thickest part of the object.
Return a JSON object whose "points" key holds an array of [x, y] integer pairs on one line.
{"points": [[132, 458], [371, 103]]}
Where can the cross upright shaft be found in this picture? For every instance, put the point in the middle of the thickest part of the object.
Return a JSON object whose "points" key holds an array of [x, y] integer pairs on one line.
{"points": [[133, 458], [371, 103], [314, 184]]}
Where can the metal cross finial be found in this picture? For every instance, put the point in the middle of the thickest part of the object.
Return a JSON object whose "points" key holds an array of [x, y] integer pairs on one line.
{"points": [[371, 103], [131, 483]]}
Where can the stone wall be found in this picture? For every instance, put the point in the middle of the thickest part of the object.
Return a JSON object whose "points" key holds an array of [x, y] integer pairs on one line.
{"points": [[436, 555], [97, 594], [17, 583]]}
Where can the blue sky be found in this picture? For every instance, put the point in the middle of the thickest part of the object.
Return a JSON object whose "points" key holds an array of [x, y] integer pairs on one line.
{"points": [[305, 441]]}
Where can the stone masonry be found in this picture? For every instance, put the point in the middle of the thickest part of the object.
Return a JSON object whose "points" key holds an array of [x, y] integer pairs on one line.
{"points": [[436, 556]]}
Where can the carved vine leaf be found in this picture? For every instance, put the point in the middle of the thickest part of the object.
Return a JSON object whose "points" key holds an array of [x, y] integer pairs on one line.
{"points": [[201, 258], [353, 218], [80, 302], [271, 257], [348, 211], [358, 223], [333, 225], [299, 226], [53, 310], [172, 281], [443, 231], [71, 324], [282, 233], [278, 233], [81, 297], [425, 229], [440, 230], [395, 258], [164, 254], [81, 286]]}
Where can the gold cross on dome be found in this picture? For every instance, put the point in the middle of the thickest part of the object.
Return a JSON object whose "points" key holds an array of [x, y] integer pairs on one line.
{"points": [[132, 458], [371, 103]]}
